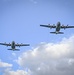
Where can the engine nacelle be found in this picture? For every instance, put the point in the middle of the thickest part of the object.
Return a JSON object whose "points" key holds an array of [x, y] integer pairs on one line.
{"points": [[50, 27], [64, 28], [63, 25], [53, 24], [49, 24], [67, 25]]}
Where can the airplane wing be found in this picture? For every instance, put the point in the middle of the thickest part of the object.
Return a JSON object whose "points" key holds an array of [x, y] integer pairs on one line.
{"points": [[49, 26], [22, 45], [67, 26], [5, 44]]}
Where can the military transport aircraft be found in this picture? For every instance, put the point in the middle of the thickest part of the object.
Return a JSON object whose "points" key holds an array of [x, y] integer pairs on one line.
{"points": [[13, 45], [58, 26]]}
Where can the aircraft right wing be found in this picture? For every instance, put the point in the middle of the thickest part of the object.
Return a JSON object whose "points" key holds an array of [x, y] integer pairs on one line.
{"points": [[67, 26], [5, 44], [22, 45], [49, 26]]}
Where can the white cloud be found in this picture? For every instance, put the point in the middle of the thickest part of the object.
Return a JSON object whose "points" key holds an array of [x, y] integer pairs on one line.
{"points": [[50, 58], [3, 64], [18, 72], [14, 54]]}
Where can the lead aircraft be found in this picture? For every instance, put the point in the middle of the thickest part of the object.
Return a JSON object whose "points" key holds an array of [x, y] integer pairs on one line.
{"points": [[13, 45], [57, 27]]}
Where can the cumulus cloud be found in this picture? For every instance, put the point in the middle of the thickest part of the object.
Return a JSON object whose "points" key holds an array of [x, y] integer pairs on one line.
{"points": [[14, 54], [3, 64], [18, 72], [50, 58]]}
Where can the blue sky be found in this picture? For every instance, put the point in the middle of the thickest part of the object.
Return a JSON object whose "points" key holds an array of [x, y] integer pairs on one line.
{"points": [[20, 21]]}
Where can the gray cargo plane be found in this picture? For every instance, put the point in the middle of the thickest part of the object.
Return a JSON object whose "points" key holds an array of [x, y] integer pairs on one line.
{"points": [[58, 26], [13, 45]]}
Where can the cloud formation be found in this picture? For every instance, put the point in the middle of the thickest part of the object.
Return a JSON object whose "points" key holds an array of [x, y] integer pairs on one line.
{"points": [[3, 64], [18, 72], [50, 58], [46, 59]]}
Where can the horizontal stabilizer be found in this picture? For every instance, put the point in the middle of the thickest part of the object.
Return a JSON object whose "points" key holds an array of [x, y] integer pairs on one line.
{"points": [[14, 49], [57, 32]]}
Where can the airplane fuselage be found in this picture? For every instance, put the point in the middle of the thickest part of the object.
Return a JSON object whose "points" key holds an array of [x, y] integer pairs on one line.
{"points": [[13, 45], [58, 26]]}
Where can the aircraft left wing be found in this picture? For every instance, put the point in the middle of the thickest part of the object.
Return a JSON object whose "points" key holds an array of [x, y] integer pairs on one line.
{"points": [[67, 26], [22, 45], [5, 44], [49, 26]]}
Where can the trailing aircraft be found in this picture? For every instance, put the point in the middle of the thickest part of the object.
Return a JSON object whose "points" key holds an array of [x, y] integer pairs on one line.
{"points": [[13, 45]]}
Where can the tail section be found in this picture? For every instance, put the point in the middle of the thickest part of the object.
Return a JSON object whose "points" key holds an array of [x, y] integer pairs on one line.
{"points": [[14, 49], [57, 32]]}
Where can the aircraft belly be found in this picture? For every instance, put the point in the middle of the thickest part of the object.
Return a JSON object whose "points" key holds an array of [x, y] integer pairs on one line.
{"points": [[13, 47], [58, 29]]}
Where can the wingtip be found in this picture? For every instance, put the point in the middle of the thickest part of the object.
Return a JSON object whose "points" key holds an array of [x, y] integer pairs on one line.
{"points": [[40, 25]]}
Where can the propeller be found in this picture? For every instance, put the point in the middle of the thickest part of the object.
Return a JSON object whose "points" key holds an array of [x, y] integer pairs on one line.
{"points": [[53, 25], [49, 24], [63, 25], [67, 25]]}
